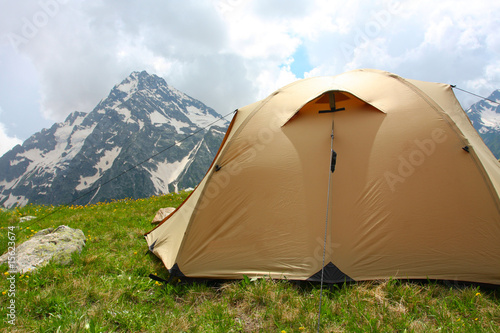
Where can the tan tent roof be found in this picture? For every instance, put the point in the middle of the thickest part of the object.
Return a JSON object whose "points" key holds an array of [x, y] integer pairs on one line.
{"points": [[414, 194]]}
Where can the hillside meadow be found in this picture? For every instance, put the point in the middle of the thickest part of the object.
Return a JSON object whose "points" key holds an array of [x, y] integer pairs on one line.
{"points": [[107, 288]]}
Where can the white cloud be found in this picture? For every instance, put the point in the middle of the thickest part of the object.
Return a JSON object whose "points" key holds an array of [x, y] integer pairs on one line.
{"points": [[229, 53], [7, 142], [453, 42]]}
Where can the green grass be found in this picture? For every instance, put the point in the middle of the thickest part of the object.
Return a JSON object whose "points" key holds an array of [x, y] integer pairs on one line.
{"points": [[107, 289]]}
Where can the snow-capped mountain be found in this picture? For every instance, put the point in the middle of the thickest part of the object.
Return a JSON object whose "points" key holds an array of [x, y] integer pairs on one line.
{"points": [[141, 117], [485, 117]]}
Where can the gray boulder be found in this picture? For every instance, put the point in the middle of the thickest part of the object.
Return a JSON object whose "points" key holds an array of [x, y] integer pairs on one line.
{"points": [[162, 214], [47, 245], [26, 218]]}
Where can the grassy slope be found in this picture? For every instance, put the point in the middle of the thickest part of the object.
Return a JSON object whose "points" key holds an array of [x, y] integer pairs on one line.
{"points": [[107, 289]]}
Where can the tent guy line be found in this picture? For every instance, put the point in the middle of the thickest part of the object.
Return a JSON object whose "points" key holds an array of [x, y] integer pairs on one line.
{"points": [[132, 168], [332, 169], [473, 94]]}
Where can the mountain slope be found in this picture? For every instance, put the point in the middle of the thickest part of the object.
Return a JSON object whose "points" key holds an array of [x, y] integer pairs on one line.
{"points": [[485, 117], [141, 117]]}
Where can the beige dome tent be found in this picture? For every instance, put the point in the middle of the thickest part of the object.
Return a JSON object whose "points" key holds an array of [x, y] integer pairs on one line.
{"points": [[414, 192]]}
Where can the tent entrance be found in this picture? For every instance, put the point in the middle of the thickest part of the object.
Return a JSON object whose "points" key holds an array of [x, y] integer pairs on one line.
{"points": [[355, 128]]}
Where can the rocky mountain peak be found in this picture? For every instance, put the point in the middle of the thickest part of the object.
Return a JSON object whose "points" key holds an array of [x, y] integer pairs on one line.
{"points": [[140, 81], [139, 118], [495, 95]]}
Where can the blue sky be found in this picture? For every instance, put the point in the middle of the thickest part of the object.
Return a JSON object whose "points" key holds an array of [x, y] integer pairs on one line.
{"points": [[300, 64], [58, 56]]}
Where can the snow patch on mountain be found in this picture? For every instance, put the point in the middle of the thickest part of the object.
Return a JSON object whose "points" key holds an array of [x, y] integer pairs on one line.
{"points": [[69, 141], [141, 124], [490, 118], [78, 137], [126, 113], [15, 200], [104, 164], [16, 162], [200, 118], [129, 85], [173, 170], [178, 125], [158, 118], [217, 131], [8, 184], [37, 160]]}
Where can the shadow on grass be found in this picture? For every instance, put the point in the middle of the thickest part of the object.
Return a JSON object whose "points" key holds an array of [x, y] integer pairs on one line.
{"points": [[307, 287]]}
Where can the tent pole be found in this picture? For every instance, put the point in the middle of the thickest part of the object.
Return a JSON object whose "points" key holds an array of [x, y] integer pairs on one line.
{"points": [[332, 168]]}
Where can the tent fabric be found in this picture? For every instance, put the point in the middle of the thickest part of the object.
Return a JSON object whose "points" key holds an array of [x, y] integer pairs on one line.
{"points": [[415, 192]]}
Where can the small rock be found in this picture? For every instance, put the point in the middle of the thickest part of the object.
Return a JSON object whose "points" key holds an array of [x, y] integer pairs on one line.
{"points": [[26, 218], [47, 245], [162, 214]]}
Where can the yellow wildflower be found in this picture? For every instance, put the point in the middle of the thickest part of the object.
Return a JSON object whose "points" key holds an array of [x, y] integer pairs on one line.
{"points": [[478, 294], [6, 273], [301, 328], [4, 292]]}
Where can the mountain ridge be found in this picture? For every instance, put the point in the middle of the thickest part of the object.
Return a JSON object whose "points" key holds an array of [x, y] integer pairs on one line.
{"points": [[485, 118], [139, 118]]}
